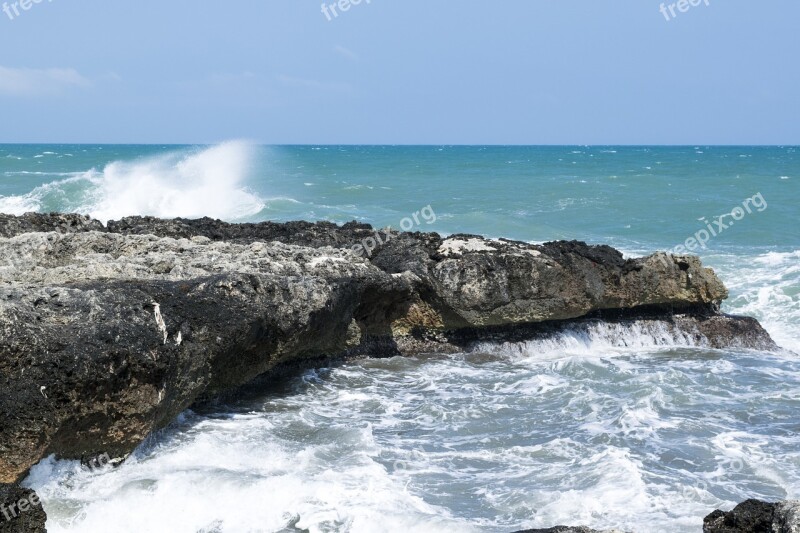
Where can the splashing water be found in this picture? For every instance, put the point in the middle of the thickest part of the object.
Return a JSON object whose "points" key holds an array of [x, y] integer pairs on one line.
{"points": [[632, 427], [611, 427], [190, 184]]}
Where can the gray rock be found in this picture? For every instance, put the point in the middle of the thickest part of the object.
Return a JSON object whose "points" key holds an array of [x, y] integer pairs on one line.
{"points": [[106, 334], [104, 338], [787, 517]]}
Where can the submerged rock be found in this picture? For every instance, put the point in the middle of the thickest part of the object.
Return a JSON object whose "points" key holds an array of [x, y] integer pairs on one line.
{"points": [[108, 333], [754, 516]]}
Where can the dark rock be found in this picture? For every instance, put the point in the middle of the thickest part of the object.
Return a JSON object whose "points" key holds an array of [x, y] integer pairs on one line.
{"points": [[751, 516], [11, 226], [754, 516], [312, 234], [100, 349], [20, 511], [106, 334]]}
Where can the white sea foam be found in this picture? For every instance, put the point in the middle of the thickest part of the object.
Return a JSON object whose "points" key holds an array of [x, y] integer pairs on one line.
{"points": [[197, 183], [767, 287], [231, 475], [32, 173], [614, 427], [18, 205], [206, 183], [595, 339]]}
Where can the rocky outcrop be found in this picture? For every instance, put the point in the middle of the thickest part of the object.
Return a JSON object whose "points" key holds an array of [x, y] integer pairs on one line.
{"points": [[754, 516], [107, 333], [11, 225], [105, 338], [20, 511]]}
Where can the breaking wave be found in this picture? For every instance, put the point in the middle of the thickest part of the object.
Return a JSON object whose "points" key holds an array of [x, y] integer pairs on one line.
{"points": [[191, 184]]}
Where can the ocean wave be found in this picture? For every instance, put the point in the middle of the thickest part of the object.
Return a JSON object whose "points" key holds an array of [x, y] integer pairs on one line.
{"points": [[34, 173], [764, 285], [648, 441], [594, 339], [250, 480], [18, 205], [191, 184], [767, 287]]}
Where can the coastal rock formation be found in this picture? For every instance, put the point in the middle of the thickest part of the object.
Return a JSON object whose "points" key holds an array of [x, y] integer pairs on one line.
{"points": [[11, 225], [108, 332], [105, 337], [755, 516], [20, 511]]}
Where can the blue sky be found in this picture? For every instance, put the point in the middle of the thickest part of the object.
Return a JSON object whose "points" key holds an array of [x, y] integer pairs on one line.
{"points": [[401, 71]]}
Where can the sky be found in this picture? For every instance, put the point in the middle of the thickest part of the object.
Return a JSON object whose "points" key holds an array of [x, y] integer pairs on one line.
{"points": [[401, 72]]}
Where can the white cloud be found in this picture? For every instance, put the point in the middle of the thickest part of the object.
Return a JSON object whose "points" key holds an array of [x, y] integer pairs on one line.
{"points": [[346, 52], [37, 82]]}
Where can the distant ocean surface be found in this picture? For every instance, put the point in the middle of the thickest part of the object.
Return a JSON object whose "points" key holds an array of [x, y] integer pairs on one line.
{"points": [[610, 428]]}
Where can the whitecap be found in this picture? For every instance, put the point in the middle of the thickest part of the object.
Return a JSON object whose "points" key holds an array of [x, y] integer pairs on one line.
{"points": [[191, 184]]}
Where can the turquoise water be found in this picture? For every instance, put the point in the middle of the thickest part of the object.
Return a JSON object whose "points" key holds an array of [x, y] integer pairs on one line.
{"points": [[612, 428], [630, 196]]}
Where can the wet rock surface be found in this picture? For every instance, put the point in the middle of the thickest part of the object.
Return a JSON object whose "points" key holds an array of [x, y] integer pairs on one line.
{"points": [[754, 516], [108, 333]]}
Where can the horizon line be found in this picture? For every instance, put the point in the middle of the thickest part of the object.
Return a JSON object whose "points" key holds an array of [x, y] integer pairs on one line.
{"points": [[439, 145]]}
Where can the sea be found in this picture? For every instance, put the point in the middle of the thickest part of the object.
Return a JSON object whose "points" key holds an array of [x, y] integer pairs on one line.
{"points": [[607, 426]]}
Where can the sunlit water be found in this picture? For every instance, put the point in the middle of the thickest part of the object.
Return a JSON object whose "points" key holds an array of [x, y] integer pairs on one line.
{"points": [[608, 427]]}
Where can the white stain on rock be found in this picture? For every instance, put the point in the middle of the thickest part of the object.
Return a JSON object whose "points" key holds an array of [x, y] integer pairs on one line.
{"points": [[162, 326], [460, 246]]}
